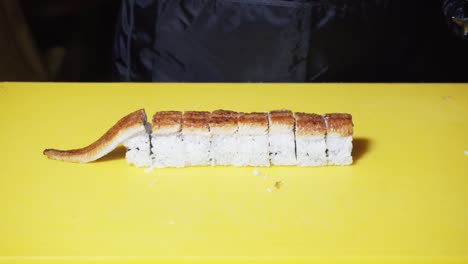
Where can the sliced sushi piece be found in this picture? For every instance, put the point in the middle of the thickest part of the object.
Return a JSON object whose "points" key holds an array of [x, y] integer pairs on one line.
{"points": [[339, 138], [223, 127], [252, 140], [310, 140], [196, 137], [166, 140], [282, 146]]}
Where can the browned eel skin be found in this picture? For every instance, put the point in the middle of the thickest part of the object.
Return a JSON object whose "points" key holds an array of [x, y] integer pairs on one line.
{"points": [[125, 128]]}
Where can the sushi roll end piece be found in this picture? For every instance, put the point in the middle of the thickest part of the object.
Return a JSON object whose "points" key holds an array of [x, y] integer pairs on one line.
{"points": [[339, 138]]}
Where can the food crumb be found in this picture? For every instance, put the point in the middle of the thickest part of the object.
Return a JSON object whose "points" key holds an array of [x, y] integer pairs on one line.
{"points": [[171, 222], [256, 172], [154, 182], [278, 184], [269, 190], [149, 169], [466, 152]]}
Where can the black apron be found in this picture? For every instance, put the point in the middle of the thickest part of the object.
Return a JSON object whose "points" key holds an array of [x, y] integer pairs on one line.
{"points": [[224, 40]]}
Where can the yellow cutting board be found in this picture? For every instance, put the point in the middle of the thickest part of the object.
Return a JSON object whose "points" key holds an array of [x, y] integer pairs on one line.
{"points": [[404, 199]]}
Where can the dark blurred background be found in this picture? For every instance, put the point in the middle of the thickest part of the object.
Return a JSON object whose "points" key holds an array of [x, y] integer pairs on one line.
{"points": [[57, 40], [71, 40]]}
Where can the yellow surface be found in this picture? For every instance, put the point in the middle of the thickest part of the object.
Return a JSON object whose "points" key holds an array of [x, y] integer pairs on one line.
{"points": [[405, 198]]}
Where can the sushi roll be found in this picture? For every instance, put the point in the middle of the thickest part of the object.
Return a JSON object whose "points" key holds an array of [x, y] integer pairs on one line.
{"points": [[225, 138]]}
